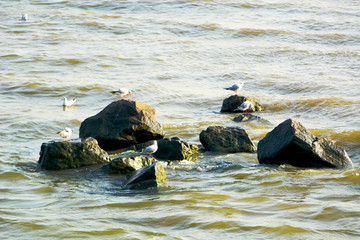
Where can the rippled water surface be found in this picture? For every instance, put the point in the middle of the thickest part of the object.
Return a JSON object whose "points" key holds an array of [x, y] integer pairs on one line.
{"points": [[300, 59]]}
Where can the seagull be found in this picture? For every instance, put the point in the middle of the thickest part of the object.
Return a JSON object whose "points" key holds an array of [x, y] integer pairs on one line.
{"points": [[151, 149], [244, 106], [122, 92], [24, 17], [65, 133], [68, 103], [236, 87]]}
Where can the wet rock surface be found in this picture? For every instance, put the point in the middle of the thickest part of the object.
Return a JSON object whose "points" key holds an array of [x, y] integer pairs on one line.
{"points": [[226, 139], [126, 165], [175, 149], [121, 124], [68, 154], [151, 176], [291, 143], [231, 103]]}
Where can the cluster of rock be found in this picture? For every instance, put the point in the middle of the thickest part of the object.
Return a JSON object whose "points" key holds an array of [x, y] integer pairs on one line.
{"points": [[130, 125], [288, 143]]}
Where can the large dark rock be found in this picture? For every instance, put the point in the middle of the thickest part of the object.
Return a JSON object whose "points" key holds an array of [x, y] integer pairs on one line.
{"points": [[121, 124], [175, 149], [291, 143], [147, 177], [234, 101], [67, 154], [226, 139], [126, 165]]}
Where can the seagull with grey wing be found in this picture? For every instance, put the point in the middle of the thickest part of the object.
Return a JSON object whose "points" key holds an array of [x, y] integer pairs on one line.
{"points": [[151, 149], [235, 87], [122, 92], [244, 106]]}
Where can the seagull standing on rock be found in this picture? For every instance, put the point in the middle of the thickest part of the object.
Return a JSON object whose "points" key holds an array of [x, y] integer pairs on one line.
{"points": [[122, 92], [244, 106], [68, 103], [151, 149], [65, 133], [236, 87]]}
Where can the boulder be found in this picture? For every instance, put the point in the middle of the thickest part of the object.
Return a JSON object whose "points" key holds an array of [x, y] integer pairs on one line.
{"points": [[175, 149], [226, 139], [67, 154], [234, 101], [121, 124], [126, 165], [291, 143], [147, 177]]}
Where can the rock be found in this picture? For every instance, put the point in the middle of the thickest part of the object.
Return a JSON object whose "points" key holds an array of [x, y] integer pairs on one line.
{"points": [[125, 165], [246, 117], [121, 124], [234, 101], [67, 154], [226, 139], [291, 143], [147, 177], [175, 149]]}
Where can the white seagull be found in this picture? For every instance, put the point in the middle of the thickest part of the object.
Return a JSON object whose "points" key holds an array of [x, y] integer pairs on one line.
{"points": [[151, 149], [68, 103], [122, 92], [65, 133], [236, 87], [244, 106]]}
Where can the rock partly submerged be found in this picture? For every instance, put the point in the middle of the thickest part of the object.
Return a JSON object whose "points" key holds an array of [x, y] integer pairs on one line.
{"points": [[151, 176], [68, 154], [121, 124], [173, 149], [231, 103], [291, 143], [126, 165], [226, 139]]}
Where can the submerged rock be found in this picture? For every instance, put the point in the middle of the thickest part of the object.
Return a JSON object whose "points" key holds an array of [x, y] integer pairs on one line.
{"points": [[121, 124], [126, 165], [175, 149], [246, 117], [291, 143], [67, 154], [226, 139], [147, 177], [231, 103]]}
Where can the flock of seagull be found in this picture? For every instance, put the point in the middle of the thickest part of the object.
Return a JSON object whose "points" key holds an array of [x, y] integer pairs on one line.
{"points": [[123, 92]]}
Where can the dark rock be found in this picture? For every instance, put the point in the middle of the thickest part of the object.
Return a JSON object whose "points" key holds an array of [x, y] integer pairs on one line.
{"points": [[226, 139], [291, 143], [175, 149], [67, 154], [121, 124], [147, 177], [125, 165], [246, 117], [234, 101]]}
